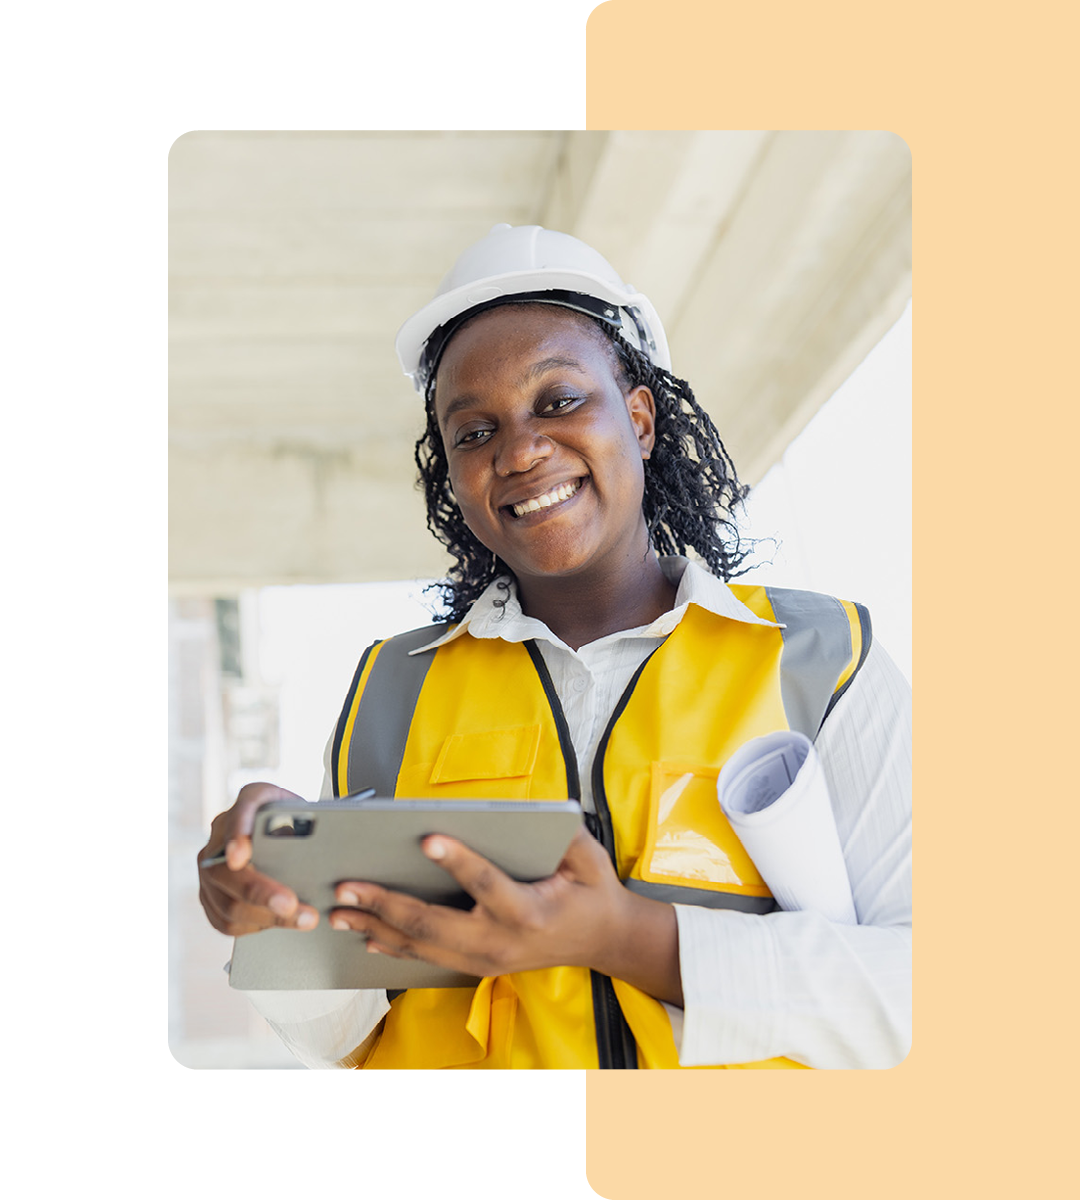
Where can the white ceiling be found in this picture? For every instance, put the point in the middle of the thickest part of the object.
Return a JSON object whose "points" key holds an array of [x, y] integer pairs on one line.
{"points": [[776, 261]]}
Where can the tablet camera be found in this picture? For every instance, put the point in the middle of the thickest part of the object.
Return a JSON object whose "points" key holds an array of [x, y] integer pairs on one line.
{"points": [[288, 825]]}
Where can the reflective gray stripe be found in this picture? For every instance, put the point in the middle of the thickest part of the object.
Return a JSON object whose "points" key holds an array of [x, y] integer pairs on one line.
{"points": [[386, 711], [817, 648], [866, 632], [672, 893]]}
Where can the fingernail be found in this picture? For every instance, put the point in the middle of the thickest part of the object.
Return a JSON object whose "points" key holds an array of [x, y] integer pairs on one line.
{"points": [[339, 923], [373, 949], [307, 919], [230, 852], [435, 849], [280, 904], [348, 897]]}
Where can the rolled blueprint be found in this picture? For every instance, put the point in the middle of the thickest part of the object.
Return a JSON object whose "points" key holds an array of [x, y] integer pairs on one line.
{"points": [[773, 792]]}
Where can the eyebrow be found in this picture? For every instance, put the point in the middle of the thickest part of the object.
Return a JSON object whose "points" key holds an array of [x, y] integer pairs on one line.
{"points": [[549, 364], [541, 367]]}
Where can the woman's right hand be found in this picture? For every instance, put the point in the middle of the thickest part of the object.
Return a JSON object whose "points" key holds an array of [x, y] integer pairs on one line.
{"points": [[236, 898]]}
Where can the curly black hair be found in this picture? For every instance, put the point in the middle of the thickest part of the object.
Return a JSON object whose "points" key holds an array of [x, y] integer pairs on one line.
{"points": [[691, 488]]}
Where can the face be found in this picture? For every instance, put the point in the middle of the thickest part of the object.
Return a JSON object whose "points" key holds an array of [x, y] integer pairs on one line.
{"points": [[545, 447]]}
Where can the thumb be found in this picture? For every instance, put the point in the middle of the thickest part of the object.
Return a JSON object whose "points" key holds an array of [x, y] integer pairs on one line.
{"points": [[240, 820], [585, 858], [238, 852]]}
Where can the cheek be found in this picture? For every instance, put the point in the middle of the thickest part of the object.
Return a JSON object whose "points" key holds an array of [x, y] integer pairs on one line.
{"points": [[456, 478], [632, 475], [635, 486], [458, 483], [467, 494], [624, 453]]}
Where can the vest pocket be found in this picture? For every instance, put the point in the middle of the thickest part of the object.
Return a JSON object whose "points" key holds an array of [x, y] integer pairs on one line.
{"points": [[688, 840], [500, 761]]}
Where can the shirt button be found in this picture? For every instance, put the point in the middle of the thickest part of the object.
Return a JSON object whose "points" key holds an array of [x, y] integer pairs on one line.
{"points": [[580, 685]]}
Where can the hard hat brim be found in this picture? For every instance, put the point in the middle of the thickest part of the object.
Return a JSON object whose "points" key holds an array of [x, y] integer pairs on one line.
{"points": [[413, 335]]}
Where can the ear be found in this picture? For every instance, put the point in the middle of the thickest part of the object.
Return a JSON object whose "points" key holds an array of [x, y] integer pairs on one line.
{"points": [[642, 409]]}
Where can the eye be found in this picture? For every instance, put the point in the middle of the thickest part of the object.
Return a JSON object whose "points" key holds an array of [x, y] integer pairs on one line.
{"points": [[559, 404], [472, 437]]}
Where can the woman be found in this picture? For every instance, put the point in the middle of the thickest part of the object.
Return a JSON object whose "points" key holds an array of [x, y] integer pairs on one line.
{"points": [[560, 461]]}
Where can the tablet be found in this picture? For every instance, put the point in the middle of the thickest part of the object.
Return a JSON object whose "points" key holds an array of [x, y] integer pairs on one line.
{"points": [[313, 847]]}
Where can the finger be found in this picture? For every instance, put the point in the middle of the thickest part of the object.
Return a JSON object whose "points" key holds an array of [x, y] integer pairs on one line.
{"points": [[239, 821], [372, 906], [380, 937], [232, 915], [259, 892], [408, 926], [478, 876], [384, 939], [220, 913]]}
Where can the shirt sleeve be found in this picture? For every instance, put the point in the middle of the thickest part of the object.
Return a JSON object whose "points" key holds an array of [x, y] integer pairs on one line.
{"points": [[323, 1028], [793, 984]]}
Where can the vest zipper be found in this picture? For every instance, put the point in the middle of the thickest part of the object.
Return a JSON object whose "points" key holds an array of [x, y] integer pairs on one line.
{"points": [[566, 742], [615, 1045]]}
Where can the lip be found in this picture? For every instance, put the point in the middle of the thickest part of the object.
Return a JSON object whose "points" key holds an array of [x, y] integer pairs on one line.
{"points": [[540, 514]]}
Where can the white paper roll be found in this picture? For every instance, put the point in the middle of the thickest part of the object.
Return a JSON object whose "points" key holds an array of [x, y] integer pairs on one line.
{"points": [[773, 792]]}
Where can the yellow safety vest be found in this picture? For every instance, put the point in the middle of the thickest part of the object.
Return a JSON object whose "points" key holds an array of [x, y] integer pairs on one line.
{"points": [[478, 717]]}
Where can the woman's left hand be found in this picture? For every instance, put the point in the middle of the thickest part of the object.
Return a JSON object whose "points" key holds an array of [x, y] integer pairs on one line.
{"points": [[580, 916]]}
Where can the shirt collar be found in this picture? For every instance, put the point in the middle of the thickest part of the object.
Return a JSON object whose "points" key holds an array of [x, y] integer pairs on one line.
{"points": [[497, 613]]}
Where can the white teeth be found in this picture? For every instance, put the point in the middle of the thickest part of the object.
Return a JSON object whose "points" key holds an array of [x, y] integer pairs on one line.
{"points": [[563, 492]]}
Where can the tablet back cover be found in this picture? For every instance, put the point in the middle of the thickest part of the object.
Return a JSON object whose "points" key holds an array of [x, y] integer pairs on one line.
{"points": [[378, 841]]}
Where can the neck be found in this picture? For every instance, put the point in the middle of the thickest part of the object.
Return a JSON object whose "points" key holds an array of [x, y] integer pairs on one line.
{"points": [[578, 610]]}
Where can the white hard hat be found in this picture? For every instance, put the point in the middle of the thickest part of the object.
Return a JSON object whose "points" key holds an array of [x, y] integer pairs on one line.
{"points": [[528, 264]]}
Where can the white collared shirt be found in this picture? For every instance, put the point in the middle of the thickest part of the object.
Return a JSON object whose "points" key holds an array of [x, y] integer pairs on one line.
{"points": [[787, 984], [589, 681]]}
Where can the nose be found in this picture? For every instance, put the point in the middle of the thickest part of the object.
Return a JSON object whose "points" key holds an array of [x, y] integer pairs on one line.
{"points": [[519, 450]]}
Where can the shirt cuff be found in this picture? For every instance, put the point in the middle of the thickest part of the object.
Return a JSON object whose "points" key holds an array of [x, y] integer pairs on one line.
{"points": [[321, 1027], [729, 1016]]}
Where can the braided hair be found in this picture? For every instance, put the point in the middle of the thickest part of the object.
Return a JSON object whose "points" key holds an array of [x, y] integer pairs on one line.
{"points": [[691, 488]]}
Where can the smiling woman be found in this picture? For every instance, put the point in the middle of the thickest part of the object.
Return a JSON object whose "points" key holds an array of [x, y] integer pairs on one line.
{"points": [[569, 473], [690, 488]]}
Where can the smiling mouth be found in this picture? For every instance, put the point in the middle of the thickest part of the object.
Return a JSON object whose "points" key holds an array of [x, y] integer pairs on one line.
{"points": [[557, 495]]}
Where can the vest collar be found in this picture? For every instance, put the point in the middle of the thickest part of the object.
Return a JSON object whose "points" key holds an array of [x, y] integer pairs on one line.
{"points": [[497, 612]]}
